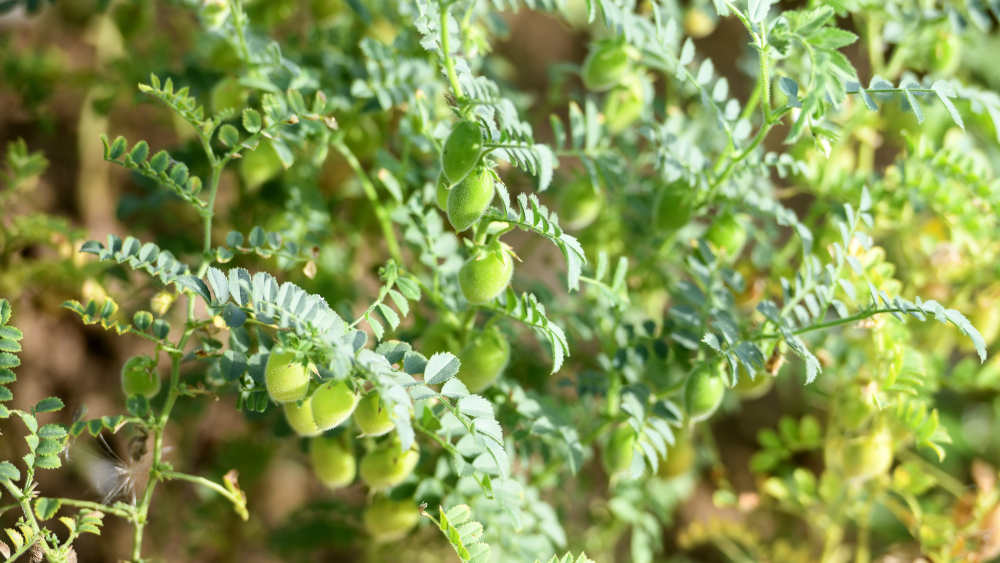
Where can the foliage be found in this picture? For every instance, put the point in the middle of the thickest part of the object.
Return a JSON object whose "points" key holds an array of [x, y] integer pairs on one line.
{"points": [[829, 204]]}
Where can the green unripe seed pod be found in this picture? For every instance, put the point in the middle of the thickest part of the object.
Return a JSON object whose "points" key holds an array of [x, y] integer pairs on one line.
{"points": [[372, 417], [673, 207], [363, 135], [862, 457], [468, 200], [260, 165], [388, 466], [484, 359], [214, 14], [624, 105], [300, 418], [462, 150], [679, 459], [286, 380], [334, 464], [139, 377], [605, 66], [703, 392], [727, 234], [228, 94], [388, 520], [618, 453], [756, 388], [486, 275], [946, 53], [580, 204], [443, 188], [697, 23], [332, 404], [439, 337]]}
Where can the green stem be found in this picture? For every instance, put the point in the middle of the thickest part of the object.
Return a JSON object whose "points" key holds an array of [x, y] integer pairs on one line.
{"points": [[757, 140], [765, 79], [166, 347], [836, 322], [378, 301], [236, 8], [447, 446], [947, 482], [573, 153], [24, 549], [610, 290], [209, 214], [902, 513], [24, 501], [141, 512], [449, 64], [369, 188], [731, 550], [97, 507], [876, 49], [752, 101], [862, 552], [898, 90], [238, 502], [896, 63], [834, 533]]}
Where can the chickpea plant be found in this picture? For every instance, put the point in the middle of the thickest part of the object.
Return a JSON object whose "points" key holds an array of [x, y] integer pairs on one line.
{"points": [[714, 249]]}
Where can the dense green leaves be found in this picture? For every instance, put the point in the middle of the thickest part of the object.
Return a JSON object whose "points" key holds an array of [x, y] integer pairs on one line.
{"points": [[162, 168], [528, 310], [10, 346], [463, 533], [148, 257], [716, 253], [530, 215]]}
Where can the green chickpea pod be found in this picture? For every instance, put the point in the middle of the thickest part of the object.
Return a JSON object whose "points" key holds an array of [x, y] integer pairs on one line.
{"points": [[486, 274], [703, 392]]}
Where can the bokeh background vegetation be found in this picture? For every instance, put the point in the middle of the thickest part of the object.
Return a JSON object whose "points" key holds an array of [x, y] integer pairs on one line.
{"points": [[68, 75]]}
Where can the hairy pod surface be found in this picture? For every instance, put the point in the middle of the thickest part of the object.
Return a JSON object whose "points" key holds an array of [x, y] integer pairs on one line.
{"points": [[605, 66], [260, 165], [486, 275], [754, 388], [727, 234], [334, 464], [468, 200], [679, 459], [462, 150], [388, 520], [580, 204], [332, 404], [703, 392], [372, 417], [228, 95], [484, 359], [440, 336], [619, 451], [139, 377], [286, 380], [624, 104], [387, 465], [673, 207], [861, 457], [441, 193], [299, 416]]}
